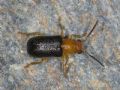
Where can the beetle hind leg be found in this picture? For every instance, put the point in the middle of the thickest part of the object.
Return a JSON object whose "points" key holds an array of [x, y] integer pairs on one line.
{"points": [[29, 34], [24, 36], [36, 62]]}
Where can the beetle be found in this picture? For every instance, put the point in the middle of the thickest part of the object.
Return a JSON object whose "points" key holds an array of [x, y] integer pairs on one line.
{"points": [[57, 46]]}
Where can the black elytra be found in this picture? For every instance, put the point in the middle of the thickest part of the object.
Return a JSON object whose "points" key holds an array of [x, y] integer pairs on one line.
{"points": [[45, 46]]}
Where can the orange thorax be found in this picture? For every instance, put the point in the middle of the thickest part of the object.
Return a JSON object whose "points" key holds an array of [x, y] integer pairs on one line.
{"points": [[71, 46]]}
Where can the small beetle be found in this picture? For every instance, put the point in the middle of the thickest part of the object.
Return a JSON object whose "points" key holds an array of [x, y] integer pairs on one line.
{"points": [[56, 46]]}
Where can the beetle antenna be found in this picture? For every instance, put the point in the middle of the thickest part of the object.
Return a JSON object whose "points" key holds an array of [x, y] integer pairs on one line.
{"points": [[92, 30], [95, 59]]}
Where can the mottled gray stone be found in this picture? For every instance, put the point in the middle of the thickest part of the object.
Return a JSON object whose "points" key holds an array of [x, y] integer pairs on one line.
{"points": [[78, 16]]}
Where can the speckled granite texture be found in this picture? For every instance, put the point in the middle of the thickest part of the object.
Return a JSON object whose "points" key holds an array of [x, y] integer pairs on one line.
{"points": [[78, 16]]}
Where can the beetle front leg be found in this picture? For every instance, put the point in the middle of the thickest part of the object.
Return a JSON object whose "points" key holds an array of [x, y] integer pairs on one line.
{"points": [[65, 65], [61, 26], [77, 37]]}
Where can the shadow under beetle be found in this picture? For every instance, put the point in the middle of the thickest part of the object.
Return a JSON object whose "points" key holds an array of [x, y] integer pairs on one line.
{"points": [[57, 46]]}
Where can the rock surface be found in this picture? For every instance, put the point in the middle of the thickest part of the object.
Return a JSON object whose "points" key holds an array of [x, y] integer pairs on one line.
{"points": [[77, 16]]}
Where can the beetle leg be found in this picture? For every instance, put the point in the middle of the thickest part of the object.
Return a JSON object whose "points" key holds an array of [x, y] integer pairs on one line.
{"points": [[65, 65], [80, 37], [61, 26], [24, 35], [36, 62], [29, 34], [62, 33]]}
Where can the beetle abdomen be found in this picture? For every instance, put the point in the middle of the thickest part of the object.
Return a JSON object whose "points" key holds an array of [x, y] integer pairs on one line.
{"points": [[45, 46]]}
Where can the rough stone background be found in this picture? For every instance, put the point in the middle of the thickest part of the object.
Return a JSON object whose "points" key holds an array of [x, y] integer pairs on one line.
{"points": [[78, 16]]}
